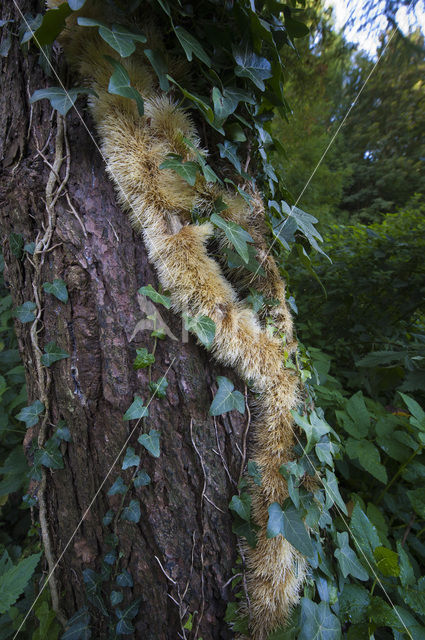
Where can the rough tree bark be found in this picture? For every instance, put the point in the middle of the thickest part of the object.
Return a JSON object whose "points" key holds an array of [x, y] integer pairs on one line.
{"points": [[103, 263]]}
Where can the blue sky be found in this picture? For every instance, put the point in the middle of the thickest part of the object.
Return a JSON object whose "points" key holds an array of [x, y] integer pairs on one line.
{"points": [[366, 38]]}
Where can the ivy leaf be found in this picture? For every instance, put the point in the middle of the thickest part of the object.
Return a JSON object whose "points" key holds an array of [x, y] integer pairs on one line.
{"points": [[143, 359], [124, 579], [24, 313], [151, 442], [116, 598], [305, 223], [132, 512], [30, 415], [15, 578], [158, 298], [120, 38], [118, 487], [224, 106], [230, 151], [187, 170], [255, 299], [250, 65], [62, 432], [407, 575], [110, 558], [50, 455], [226, 399], [119, 84], [159, 65], [318, 622], [57, 288], [235, 261], [52, 353], [130, 459], [254, 471], [191, 46], [76, 4], [289, 523], [332, 492], [136, 410], [387, 561], [242, 506], [77, 627], [364, 532], [247, 530], [348, 560], [107, 518], [159, 389], [141, 479], [199, 102], [61, 99], [235, 234], [203, 327]]}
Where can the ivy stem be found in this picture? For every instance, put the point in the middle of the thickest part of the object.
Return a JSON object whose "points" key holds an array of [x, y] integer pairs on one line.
{"points": [[399, 472]]}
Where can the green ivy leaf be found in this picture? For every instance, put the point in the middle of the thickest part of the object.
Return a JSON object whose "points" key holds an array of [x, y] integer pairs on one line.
{"points": [[49, 455], [30, 415], [254, 471], [136, 410], [143, 359], [124, 579], [364, 532], [235, 261], [116, 598], [242, 506], [317, 622], [229, 151], [77, 627], [247, 530], [141, 479], [289, 523], [132, 512], [57, 288], [76, 4], [159, 65], [158, 298], [118, 487], [52, 353], [25, 313], [61, 99], [203, 327], [418, 414], [199, 102], [130, 459], [348, 560], [118, 37], [250, 65], [151, 442], [407, 575], [119, 84], [226, 399], [191, 46], [107, 518], [235, 234], [159, 389], [332, 492], [110, 558], [187, 170], [62, 432]]}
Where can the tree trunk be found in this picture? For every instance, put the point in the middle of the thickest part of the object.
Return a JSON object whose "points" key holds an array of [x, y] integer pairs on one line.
{"points": [[183, 538]]}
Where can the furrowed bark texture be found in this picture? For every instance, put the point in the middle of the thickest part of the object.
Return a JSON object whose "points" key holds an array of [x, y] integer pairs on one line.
{"points": [[103, 263]]}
